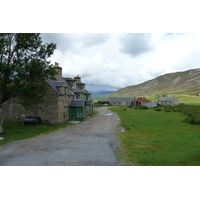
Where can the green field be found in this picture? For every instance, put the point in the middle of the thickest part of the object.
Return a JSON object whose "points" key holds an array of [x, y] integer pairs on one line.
{"points": [[181, 98], [153, 138], [16, 131]]}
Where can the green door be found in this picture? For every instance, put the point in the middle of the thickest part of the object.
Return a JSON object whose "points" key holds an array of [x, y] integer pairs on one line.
{"points": [[77, 113]]}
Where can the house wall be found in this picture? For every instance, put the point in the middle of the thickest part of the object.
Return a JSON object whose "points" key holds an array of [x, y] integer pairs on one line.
{"points": [[139, 103], [62, 105], [123, 103], [89, 110], [175, 101], [126, 103], [136, 103], [165, 102], [116, 103], [54, 110], [151, 104]]}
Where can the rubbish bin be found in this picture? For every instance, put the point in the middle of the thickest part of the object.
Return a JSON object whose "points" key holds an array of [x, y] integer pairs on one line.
{"points": [[32, 120]]}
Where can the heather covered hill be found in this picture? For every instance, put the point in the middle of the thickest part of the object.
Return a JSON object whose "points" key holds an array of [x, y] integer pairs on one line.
{"points": [[185, 83]]}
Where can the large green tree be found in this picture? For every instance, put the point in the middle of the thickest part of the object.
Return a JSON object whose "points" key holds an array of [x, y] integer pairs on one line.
{"points": [[24, 67]]}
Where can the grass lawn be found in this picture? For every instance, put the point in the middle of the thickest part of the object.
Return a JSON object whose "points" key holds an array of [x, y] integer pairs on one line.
{"points": [[16, 131], [155, 138]]}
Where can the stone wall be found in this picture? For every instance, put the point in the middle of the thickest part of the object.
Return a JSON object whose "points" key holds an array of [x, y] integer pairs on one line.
{"points": [[50, 112], [175, 101], [63, 109]]}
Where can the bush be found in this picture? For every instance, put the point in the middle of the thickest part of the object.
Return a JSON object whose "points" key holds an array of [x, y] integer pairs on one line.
{"points": [[168, 109], [143, 108], [191, 111], [140, 107], [158, 109], [194, 120]]}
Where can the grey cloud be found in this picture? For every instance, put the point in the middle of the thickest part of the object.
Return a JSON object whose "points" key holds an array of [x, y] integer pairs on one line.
{"points": [[69, 41], [95, 39], [63, 42], [136, 44]]}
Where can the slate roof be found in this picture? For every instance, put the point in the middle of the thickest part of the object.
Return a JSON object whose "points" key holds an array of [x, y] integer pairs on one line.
{"points": [[89, 103], [79, 86], [70, 93], [77, 103], [58, 83], [55, 85], [120, 99], [86, 92], [78, 90], [166, 99], [141, 99]]}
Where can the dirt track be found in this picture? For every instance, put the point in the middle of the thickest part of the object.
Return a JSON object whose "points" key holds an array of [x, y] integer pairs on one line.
{"points": [[89, 143]]}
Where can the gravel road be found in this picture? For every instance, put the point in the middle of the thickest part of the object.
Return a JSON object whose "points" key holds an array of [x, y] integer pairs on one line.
{"points": [[90, 143]]}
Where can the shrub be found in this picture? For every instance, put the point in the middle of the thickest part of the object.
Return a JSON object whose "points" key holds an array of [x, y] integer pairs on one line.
{"points": [[168, 109], [158, 109], [193, 119], [191, 111], [143, 108]]}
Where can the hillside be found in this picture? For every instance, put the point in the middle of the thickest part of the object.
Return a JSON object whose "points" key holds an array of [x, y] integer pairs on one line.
{"points": [[100, 94], [185, 83]]}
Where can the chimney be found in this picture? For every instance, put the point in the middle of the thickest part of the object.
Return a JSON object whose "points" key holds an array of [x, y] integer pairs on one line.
{"points": [[59, 71], [77, 78]]}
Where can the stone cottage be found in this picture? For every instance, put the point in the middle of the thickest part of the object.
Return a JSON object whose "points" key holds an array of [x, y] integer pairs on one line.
{"points": [[120, 101], [61, 93], [140, 101], [168, 101]]}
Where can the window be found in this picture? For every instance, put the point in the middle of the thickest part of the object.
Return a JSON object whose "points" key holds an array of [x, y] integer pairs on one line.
{"points": [[79, 115], [65, 111]]}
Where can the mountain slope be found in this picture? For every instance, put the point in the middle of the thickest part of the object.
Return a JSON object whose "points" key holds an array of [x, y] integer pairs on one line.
{"points": [[100, 94], [187, 82]]}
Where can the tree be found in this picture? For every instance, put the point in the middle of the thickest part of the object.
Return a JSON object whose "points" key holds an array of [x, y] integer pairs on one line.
{"points": [[24, 67], [7, 62], [157, 96], [164, 95]]}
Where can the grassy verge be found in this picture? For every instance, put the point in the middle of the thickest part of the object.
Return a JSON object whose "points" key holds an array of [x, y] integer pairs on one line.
{"points": [[16, 131], [157, 138]]}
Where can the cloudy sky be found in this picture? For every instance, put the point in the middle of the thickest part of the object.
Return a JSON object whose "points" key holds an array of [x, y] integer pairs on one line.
{"points": [[114, 44], [110, 61]]}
